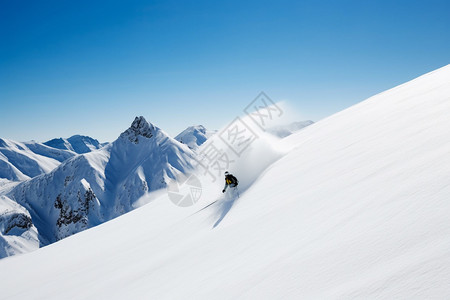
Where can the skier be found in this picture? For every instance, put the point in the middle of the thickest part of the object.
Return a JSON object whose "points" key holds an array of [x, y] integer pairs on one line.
{"points": [[230, 181]]}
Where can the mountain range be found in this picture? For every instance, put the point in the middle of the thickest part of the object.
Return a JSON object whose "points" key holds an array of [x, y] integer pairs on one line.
{"points": [[91, 188], [22, 161], [77, 143]]}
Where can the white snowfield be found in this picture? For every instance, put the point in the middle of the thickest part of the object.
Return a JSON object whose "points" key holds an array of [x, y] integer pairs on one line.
{"points": [[359, 208]]}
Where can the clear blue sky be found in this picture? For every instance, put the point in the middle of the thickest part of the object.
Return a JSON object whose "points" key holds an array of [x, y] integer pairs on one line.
{"points": [[89, 67]]}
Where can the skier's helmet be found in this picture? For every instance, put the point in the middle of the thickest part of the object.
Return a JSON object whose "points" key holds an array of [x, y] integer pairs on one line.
{"points": [[226, 173]]}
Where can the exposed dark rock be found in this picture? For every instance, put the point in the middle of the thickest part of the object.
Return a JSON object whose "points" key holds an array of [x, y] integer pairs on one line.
{"points": [[68, 214], [16, 220], [139, 127]]}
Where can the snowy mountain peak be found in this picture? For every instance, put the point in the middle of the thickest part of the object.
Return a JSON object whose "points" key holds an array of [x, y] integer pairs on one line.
{"points": [[139, 127], [200, 128], [3, 143], [76, 143], [194, 136], [95, 187]]}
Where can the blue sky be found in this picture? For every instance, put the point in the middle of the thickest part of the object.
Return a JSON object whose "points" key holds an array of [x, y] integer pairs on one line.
{"points": [[89, 67]]}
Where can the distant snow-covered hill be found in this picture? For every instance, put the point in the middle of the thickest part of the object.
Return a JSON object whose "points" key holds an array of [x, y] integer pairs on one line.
{"points": [[286, 130], [94, 187], [194, 136], [21, 161], [77, 143]]}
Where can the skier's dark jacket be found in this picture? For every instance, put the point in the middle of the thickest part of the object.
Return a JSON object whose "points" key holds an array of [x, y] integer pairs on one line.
{"points": [[231, 180]]}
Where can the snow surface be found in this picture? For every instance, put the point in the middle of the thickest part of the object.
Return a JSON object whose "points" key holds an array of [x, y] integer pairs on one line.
{"points": [[358, 208]]}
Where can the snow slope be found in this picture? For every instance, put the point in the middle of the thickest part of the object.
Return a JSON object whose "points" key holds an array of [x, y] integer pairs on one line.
{"points": [[17, 232], [77, 143], [358, 209], [194, 136], [21, 161]]}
